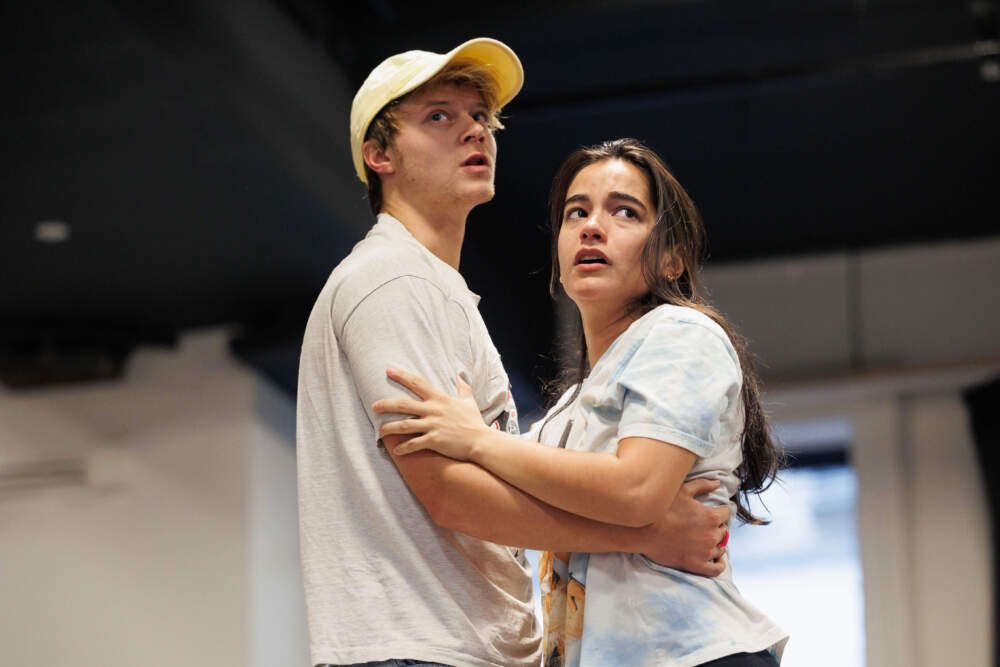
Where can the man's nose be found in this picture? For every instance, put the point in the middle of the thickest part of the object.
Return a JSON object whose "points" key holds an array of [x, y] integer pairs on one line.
{"points": [[476, 132]]}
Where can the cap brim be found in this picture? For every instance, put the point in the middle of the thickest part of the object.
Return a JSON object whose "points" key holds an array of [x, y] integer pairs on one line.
{"points": [[494, 56], [498, 59]]}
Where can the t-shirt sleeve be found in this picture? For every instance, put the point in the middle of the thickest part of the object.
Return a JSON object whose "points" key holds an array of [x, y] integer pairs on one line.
{"points": [[407, 323], [678, 385]]}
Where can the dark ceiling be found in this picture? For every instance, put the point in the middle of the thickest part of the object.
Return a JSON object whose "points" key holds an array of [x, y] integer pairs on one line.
{"points": [[197, 151]]}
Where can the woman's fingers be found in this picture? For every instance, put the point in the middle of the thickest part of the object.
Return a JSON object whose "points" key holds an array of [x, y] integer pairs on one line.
{"points": [[414, 383], [409, 446], [402, 427], [464, 390], [404, 406]]}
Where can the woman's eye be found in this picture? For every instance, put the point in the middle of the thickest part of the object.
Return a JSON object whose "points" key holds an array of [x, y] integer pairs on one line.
{"points": [[626, 212], [575, 213]]}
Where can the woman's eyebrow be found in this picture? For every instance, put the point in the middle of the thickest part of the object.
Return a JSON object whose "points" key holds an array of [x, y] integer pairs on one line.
{"points": [[576, 198], [626, 197]]}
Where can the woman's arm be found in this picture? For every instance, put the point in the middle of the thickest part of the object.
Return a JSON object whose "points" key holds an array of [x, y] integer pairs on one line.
{"points": [[629, 488]]}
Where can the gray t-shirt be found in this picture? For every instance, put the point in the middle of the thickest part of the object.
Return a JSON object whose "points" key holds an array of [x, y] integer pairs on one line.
{"points": [[383, 581]]}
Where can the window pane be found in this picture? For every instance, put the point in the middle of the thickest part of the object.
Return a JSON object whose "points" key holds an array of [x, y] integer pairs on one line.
{"points": [[804, 570]]}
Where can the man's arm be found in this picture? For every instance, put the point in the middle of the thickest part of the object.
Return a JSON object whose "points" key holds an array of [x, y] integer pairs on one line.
{"points": [[463, 497], [406, 322]]}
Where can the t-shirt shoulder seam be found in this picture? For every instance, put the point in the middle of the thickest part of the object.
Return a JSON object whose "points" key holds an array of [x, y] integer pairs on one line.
{"points": [[360, 300], [699, 320], [447, 297]]}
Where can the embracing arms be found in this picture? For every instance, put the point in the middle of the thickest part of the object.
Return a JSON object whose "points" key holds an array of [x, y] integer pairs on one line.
{"points": [[415, 326], [464, 497], [629, 488]]}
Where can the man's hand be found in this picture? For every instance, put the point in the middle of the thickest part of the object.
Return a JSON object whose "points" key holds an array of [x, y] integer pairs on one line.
{"points": [[690, 537]]}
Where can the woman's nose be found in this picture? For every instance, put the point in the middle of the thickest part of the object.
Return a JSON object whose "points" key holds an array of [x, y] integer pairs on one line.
{"points": [[591, 229]]}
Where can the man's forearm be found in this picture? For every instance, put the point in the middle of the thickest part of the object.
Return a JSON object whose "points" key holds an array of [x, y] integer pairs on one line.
{"points": [[469, 499]]}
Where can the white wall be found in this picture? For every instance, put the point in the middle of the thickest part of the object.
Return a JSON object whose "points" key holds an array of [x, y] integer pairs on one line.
{"points": [[870, 310], [951, 570], [277, 620], [922, 518], [887, 338], [164, 555]]}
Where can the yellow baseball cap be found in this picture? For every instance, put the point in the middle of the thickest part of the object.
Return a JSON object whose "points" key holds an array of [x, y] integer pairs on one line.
{"points": [[404, 72]]}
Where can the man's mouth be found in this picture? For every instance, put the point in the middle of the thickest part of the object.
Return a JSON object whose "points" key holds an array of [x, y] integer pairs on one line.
{"points": [[476, 160]]}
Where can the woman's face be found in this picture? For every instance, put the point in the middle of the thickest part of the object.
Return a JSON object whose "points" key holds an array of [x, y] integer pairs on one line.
{"points": [[606, 218]]}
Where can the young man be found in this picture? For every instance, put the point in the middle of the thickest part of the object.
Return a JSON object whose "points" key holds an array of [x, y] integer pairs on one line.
{"points": [[402, 557]]}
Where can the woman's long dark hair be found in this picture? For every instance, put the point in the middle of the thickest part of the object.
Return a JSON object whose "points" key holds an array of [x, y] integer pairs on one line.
{"points": [[678, 233]]}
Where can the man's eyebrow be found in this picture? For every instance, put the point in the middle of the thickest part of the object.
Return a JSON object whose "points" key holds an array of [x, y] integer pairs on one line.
{"points": [[451, 103], [436, 103], [626, 197]]}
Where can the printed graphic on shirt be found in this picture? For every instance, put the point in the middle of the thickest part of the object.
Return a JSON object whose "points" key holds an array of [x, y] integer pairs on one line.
{"points": [[563, 578], [507, 421]]}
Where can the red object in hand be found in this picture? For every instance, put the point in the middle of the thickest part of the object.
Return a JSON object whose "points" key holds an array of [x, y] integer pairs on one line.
{"points": [[725, 539]]}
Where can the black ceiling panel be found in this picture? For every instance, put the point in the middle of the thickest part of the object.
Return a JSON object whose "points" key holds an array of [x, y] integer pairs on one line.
{"points": [[797, 127]]}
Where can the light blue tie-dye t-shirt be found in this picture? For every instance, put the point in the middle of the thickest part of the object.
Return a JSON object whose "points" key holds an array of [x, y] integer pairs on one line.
{"points": [[672, 376]]}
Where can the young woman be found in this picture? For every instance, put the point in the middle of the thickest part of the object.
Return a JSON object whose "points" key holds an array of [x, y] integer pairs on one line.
{"points": [[664, 392]]}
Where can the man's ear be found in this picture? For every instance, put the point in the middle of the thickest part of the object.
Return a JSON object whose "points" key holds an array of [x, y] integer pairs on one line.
{"points": [[376, 158]]}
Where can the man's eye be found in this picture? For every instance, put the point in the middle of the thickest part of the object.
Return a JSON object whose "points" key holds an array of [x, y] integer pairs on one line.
{"points": [[437, 116], [482, 117]]}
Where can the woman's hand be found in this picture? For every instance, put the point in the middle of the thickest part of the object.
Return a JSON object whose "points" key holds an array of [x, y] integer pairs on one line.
{"points": [[447, 425]]}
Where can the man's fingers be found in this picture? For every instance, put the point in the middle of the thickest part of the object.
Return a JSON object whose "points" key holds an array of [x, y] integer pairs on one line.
{"points": [[700, 486], [722, 515], [708, 568], [414, 383]]}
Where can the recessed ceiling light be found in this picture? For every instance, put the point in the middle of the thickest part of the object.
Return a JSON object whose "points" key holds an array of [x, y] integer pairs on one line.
{"points": [[52, 231], [990, 71]]}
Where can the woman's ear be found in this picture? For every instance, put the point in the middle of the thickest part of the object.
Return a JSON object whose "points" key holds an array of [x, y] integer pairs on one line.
{"points": [[673, 266], [377, 159]]}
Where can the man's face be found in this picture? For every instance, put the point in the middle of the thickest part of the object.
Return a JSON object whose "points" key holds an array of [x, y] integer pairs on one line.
{"points": [[444, 154]]}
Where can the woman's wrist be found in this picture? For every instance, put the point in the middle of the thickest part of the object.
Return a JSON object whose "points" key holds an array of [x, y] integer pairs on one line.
{"points": [[480, 442]]}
